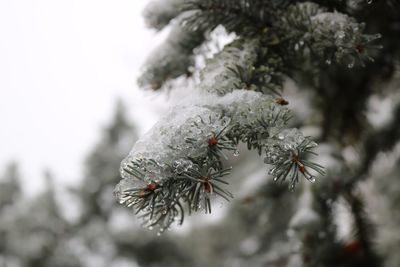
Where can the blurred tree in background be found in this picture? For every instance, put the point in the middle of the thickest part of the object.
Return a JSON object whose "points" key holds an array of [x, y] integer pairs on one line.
{"points": [[34, 232]]}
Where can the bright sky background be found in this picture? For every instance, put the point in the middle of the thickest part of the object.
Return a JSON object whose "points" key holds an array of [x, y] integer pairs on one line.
{"points": [[62, 65]]}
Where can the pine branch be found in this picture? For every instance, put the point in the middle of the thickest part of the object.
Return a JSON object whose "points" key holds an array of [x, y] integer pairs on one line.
{"points": [[229, 69], [220, 74], [180, 162], [244, 17], [159, 13], [178, 165], [163, 203], [173, 58], [289, 158], [328, 36]]}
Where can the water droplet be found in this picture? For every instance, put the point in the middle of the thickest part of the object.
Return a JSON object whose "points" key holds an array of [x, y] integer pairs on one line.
{"points": [[341, 34], [369, 2], [350, 65], [312, 179], [275, 179], [291, 188], [236, 153], [158, 233], [289, 146], [151, 227], [328, 61], [296, 47]]}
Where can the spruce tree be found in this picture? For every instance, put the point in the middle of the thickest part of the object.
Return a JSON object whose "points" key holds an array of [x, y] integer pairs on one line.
{"points": [[340, 55], [32, 229]]}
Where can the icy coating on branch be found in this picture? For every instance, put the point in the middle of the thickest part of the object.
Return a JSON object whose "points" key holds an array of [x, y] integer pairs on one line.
{"points": [[179, 161], [328, 36], [218, 75], [186, 131], [172, 58], [345, 35], [237, 67]]}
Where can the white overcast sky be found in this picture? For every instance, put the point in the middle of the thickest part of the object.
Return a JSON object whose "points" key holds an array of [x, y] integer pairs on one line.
{"points": [[62, 65]]}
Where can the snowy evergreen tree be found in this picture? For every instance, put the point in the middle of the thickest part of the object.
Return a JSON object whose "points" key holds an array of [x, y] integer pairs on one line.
{"points": [[35, 233], [10, 185], [341, 56], [33, 230]]}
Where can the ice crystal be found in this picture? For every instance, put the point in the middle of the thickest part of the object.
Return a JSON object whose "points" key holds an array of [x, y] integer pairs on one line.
{"points": [[341, 38], [217, 76]]}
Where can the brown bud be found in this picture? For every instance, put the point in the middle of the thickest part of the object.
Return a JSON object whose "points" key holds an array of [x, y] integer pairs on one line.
{"points": [[360, 49], [212, 141], [151, 187], [302, 169], [352, 248], [281, 101]]}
